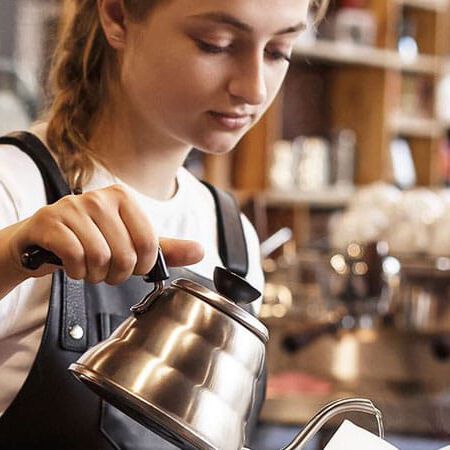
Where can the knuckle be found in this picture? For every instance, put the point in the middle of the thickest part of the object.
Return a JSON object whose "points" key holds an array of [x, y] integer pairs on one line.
{"points": [[99, 258], [69, 201], [94, 202], [76, 274], [73, 262], [45, 217], [147, 246], [43, 212], [94, 278], [72, 256], [116, 279], [147, 254], [125, 261], [119, 191], [52, 232]]}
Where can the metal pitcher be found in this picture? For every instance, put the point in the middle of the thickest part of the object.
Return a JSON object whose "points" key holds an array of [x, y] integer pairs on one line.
{"points": [[187, 362]]}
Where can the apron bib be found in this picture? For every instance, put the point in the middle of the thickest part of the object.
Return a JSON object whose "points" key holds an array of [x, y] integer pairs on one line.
{"points": [[53, 409]]}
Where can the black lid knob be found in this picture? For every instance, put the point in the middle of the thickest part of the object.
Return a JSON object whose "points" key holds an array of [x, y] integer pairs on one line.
{"points": [[159, 271]]}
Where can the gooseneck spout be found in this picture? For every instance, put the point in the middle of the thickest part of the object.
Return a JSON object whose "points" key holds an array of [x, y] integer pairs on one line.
{"points": [[331, 410]]}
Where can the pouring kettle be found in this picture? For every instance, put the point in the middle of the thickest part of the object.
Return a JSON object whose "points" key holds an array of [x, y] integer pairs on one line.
{"points": [[186, 363]]}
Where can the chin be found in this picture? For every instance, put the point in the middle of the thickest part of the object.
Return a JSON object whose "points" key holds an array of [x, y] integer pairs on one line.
{"points": [[218, 145]]}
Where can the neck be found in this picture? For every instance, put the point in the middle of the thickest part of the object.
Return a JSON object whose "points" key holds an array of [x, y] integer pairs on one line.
{"points": [[140, 156]]}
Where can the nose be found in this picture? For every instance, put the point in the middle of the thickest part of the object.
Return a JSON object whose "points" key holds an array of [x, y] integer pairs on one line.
{"points": [[248, 81]]}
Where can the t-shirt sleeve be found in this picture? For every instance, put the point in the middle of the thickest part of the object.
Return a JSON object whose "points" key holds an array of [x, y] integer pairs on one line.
{"points": [[8, 209], [22, 193], [22, 190], [255, 273]]}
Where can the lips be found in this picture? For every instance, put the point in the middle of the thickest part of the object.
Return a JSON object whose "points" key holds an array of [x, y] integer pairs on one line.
{"points": [[231, 121]]}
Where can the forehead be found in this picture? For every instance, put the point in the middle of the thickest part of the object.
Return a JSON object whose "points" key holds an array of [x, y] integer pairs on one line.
{"points": [[263, 16]]}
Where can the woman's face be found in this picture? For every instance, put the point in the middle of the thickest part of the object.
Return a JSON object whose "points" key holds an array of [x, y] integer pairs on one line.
{"points": [[202, 72]]}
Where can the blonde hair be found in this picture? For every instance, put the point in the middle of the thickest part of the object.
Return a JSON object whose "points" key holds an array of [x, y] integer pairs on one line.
{"points": [[83, 65], [321, 9]]}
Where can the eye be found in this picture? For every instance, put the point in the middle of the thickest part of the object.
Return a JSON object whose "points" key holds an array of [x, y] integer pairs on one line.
{"points": [[212, 48], [277, 55]]}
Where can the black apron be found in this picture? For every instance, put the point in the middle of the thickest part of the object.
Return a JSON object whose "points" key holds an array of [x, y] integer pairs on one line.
{"points": [[53, 409]]}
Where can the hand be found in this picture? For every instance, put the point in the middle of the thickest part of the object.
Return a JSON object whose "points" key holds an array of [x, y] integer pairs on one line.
{"points": [[100, 236]]}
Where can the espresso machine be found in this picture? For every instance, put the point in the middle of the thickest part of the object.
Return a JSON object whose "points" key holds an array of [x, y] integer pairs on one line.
{"points": [[359, 321]]}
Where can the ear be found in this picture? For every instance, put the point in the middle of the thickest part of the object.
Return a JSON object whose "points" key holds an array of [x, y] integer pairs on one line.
{"points": [[112, 19]]}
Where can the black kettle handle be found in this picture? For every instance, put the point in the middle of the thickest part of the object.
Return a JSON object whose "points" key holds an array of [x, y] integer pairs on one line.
{"points": [[34, 256]]}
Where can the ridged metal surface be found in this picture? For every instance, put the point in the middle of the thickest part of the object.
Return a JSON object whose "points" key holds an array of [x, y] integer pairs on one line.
{"points": [[184, 365]]}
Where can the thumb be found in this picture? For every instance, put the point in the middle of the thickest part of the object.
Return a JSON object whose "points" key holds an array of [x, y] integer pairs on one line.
{"points": [[180, 252]]}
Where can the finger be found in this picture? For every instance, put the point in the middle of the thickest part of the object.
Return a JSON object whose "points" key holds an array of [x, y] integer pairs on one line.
{"points": [[97, 252], [64, 243], [143, 237], [179, 252], [102, 207], [123, 255]]}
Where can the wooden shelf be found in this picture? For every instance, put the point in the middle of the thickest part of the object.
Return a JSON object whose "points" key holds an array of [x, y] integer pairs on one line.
{"points": [[333, 197], [431, 5], [333, 86], [415, 126], [337, 52]]}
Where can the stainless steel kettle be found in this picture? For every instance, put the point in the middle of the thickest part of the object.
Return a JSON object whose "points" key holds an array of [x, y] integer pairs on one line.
{"points": [[187, 362]]}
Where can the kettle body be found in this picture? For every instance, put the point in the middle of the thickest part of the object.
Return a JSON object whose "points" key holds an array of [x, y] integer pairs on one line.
{"points": [[186, 367]]}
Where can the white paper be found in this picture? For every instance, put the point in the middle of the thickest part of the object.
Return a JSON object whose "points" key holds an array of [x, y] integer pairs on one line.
{"points": [[351, 437]]}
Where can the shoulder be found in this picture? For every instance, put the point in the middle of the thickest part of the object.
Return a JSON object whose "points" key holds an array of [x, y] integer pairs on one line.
{"points": [[255, 274], [201, 192], [201, 195], [20, 181]]}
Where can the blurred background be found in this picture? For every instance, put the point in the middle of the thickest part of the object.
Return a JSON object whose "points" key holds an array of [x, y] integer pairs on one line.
{"points": [[346, 180]]}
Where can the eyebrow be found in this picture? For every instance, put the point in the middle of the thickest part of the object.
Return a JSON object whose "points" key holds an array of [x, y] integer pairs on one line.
{"points": [[227, 19]]}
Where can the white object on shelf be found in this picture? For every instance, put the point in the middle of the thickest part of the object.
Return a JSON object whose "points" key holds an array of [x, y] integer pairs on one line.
{"points": [[351, 437], [408, 48], [311, 163], [281, 170], [403, 167]]}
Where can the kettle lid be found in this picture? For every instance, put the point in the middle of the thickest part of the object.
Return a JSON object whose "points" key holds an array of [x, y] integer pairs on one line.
{"points": [[223, 304]]}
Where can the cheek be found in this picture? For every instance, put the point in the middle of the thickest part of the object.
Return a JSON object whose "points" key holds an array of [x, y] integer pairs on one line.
{"points": [[179, 82], [274, 82]]}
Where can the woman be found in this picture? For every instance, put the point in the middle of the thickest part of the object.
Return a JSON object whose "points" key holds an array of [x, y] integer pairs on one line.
{"points": [[136, 85]]}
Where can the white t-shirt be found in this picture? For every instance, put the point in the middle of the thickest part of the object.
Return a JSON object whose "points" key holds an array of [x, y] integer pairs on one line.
{"points": [[190, 214]]}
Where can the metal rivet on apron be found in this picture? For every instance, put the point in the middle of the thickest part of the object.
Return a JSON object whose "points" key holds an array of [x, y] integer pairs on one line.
{"points": [[76, 332]]}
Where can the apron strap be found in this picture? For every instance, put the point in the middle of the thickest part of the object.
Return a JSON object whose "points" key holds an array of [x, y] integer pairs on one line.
{"points": [[231, 237], [74, 318], [232, 243], [55, 185]]}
